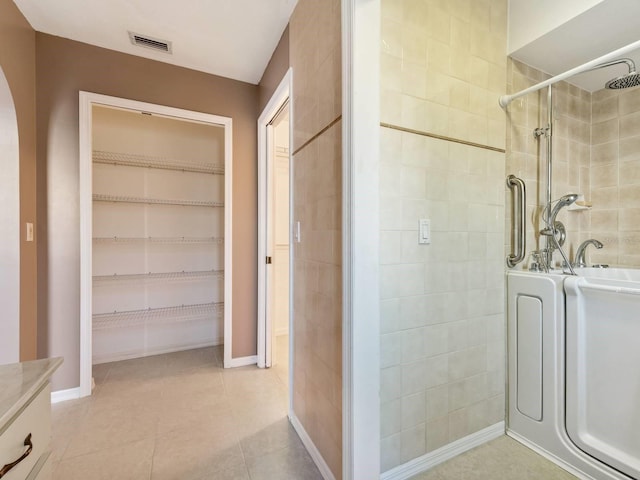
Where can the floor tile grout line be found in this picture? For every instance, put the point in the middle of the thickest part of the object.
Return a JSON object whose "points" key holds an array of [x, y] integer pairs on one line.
{"points": [[153, 455]]}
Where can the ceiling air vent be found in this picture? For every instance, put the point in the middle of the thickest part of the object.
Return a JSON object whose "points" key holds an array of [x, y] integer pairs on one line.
{"points": [[149, 42]]}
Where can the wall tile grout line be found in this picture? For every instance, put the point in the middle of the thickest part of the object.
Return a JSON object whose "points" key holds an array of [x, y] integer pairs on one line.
{"points": [[441, 137]]}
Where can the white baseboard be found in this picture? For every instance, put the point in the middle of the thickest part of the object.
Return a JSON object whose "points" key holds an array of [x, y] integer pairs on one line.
{"points": [[117, 357], [241, 362], [325, 471], [64, 395], [430, 460]]}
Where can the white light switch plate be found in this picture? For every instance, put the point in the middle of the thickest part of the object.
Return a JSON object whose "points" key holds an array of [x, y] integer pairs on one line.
{"points": [[424, 231]]}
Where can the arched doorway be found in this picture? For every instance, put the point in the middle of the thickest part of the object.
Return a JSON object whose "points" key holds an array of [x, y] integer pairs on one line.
{"points": [[9, 227]]}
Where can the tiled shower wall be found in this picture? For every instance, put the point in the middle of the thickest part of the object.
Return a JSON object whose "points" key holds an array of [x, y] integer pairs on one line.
{"points": [[596, 145], [615, 176], [442, 344], [527, 157], [315, 55]]}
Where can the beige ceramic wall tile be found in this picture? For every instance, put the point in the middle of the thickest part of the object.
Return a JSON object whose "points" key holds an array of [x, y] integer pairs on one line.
{"points": [[317, 294], [603, 109], [449, 53], [629, 149], [602, 165], [629, 172], [614, 218], [629, 219], [604, 132], [316, 60], [629, 124], [390, 452], [453, 68], [628, 101], [571, 149], [315, 56], [442, 342]]}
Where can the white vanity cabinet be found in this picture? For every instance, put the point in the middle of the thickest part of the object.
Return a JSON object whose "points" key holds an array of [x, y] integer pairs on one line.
{"points": [[25, 420]]}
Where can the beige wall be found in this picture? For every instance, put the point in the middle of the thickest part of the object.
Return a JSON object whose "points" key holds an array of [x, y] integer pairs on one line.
{"points": [[442, 319], [315, 47], [65, 67], [276, 69], [17, 59]]}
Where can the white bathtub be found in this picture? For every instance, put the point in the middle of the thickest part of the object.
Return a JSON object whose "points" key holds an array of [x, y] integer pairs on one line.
{"points": [[616, 274], [574, 382]]}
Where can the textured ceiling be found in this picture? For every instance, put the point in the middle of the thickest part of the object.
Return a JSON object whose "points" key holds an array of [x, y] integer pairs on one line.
{"points": [[230, 38]]}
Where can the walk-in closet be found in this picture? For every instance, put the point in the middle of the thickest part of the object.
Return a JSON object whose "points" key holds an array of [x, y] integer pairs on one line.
{"points": [[158, 223]]}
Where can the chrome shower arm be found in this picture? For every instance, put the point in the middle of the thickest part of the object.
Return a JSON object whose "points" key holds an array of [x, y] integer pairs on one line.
{"points": [[505, 100], [630, 64]]}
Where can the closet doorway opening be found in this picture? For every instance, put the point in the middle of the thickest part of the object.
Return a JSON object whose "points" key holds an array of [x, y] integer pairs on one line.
{"points": [[155, 193], [275, 323]]}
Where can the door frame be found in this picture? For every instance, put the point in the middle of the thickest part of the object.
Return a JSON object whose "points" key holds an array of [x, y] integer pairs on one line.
{"points": [[360, 239], [278, 100], [87, 101]]}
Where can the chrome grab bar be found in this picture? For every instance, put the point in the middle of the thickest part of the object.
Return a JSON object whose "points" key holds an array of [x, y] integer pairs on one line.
{"points": [[517, 185]]}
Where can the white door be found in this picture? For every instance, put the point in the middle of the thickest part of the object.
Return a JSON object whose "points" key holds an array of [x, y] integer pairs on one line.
{"points": [[273, 221], [277, 285]]}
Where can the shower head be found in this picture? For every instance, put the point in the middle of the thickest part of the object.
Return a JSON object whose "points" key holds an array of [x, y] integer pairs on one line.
{"points": [[629, 79], [563, 202]]}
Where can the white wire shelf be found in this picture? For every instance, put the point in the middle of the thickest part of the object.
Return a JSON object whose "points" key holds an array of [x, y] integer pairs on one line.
{"points": [[133, 160], [154, 201], [155, 316], [218, 240], [184, 275]]}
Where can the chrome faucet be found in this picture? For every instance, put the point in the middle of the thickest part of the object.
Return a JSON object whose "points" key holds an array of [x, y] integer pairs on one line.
{"points": [[556, 232], [580, 253]]}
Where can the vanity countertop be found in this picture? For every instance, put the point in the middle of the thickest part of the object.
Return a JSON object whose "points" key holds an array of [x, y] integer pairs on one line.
{"points": [[19, 382]]}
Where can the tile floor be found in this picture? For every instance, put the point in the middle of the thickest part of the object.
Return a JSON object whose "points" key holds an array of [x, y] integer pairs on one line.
{"points": [[181, 416], [500, 459]]}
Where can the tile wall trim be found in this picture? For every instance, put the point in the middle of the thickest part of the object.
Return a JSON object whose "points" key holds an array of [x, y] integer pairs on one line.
{"points": [[331, 124], [441, 137], [316, 456], [430, 460]]}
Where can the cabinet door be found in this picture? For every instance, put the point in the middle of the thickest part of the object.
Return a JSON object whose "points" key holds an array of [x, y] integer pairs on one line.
{"points": [[35, 419]]}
